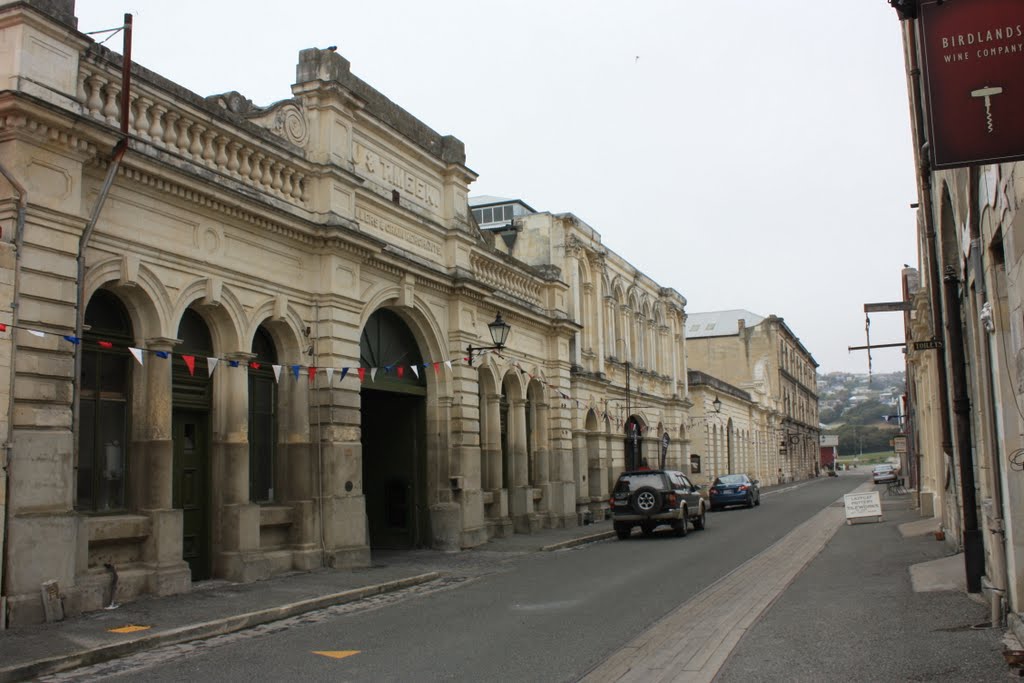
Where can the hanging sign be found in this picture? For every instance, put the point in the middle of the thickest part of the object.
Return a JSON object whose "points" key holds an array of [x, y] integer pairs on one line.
{"points": [[973, 63]]}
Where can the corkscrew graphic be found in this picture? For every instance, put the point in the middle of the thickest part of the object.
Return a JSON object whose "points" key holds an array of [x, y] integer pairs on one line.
{"points": [[987, 92]]}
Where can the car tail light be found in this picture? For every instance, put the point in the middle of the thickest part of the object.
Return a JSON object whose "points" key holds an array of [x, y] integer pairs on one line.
{"points": [[672, 500], [611, 502], [743, 487], [714, 491]]}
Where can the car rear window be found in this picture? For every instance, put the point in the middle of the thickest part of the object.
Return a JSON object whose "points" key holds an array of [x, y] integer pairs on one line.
{"points": [[733, 479], [632, 482]]}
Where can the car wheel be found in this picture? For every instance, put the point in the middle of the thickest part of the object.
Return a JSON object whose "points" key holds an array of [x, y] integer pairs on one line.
{"points": [[623, 531], [750, 501], [647, 528], [646, 500], [701, 521], [679, 525]]}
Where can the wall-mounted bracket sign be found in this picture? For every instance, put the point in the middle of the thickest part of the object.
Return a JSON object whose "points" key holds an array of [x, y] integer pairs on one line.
{"points": [[973, 63]]}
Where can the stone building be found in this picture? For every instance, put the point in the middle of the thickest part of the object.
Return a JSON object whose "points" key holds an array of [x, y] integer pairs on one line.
{"points": [[627, 391], [269, 311], [762, 356], [965, 355]]}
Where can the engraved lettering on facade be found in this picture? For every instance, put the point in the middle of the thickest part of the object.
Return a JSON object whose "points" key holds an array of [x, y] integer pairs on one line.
{"points": [[397, 177], [388, 228]]}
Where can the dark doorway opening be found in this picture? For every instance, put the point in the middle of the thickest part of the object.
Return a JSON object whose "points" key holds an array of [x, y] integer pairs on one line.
{"points": [[393, 412]]}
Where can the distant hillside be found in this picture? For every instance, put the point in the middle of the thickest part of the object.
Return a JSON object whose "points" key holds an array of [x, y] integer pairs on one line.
{"points": [[856, 409]]}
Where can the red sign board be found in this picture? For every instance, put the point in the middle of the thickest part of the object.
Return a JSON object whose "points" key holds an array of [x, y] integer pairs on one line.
{"points": [[973, 57]]}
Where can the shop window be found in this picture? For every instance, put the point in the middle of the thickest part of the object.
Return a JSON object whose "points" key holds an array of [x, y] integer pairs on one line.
{"points": [[104, 402]]}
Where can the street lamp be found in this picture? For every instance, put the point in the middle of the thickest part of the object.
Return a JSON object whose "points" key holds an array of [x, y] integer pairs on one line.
{"points": [[717, 404], [499, 330]]}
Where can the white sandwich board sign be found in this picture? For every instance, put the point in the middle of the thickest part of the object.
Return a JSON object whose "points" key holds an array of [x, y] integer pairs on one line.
{"points": [[861, 505]]}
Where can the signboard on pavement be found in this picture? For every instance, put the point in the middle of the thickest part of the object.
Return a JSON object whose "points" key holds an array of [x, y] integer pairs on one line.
{"points": [[899, 444], [862, 505]]}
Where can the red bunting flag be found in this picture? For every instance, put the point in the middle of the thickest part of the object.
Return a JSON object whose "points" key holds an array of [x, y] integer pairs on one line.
{"points": [[106, 344], [362, 374], [190, 363], [401, 371], [254, 365], [437, 368], [312, 373], [3, 328]]}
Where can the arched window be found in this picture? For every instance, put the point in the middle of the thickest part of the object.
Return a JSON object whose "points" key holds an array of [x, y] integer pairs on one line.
{"points": [[104, 401], [262, 418]]}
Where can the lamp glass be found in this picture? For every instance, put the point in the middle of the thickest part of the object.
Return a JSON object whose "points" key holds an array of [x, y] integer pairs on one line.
{"points": [[717, 403], [499, 330]]}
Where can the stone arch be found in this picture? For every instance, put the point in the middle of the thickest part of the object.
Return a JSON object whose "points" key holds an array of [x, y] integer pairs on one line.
{"points": [[287, 331], [225, 317], [144, 296]]}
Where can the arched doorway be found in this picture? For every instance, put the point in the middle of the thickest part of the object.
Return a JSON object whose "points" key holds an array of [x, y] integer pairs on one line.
{"points": [[191, 436], [393, 420], [262, 418]]}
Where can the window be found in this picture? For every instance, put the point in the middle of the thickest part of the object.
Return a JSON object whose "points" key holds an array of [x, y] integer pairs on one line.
{"points": [[262, 419], [104, 404], [694, 464]]}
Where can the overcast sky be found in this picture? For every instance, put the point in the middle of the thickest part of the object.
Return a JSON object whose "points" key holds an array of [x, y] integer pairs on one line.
{"points": [[748, 154]]}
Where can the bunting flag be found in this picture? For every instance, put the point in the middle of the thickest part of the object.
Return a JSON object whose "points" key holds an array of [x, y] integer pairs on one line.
{"points": [[232, 363], [295, 371], [254, 365], [415, 371], [344, 371], [277, 373], [37, 333], [137, 353], [401, 371], [211, 363], [437, 368], [190, 363], [362, 374], [106, 345], [162, 354], [330, 375], [449, 364], [3, 328], [373, 374], [73, 339], [312, 374]]}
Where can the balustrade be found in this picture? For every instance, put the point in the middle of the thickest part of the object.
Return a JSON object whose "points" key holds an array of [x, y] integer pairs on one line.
{"points": [[162, 125]]}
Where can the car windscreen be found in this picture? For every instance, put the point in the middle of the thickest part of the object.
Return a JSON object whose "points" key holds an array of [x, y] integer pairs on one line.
{"points": [[632, 482], [732, 479]]}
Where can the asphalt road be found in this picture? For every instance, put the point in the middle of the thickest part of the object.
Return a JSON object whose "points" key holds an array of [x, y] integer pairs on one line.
{"points": [[538, 617]]}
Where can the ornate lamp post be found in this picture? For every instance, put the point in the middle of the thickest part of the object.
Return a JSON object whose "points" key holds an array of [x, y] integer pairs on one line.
{"points": [[499, 330]]}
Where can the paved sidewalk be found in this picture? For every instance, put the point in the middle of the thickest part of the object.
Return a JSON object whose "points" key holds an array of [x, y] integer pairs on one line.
{"points": [[219, 607]]}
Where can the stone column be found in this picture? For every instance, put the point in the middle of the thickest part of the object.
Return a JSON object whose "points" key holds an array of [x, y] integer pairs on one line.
{"points": [[520, 493], [239, 518], [541, 455], [597, 472], [153, 477]]}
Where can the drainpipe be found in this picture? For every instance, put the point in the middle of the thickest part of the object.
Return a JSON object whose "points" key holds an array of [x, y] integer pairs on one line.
{"points": [[83, 242], [19, 236], [932, 256]]}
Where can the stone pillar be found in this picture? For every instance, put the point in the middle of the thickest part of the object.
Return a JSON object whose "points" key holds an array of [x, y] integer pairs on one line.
{"points": [[238, 558], [153, 477], [496, 501], [541, 455], [597, 475], [520, 493]]}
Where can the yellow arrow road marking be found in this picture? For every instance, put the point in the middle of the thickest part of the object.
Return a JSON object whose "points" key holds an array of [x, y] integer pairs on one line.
{"points": [[336, 654], [130, 628]]}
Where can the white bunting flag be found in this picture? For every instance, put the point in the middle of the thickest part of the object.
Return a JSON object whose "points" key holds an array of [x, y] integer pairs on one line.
{"points": [[415, 371], [137, 353], [211, 363], [277, 373], [330, 375], [373, 374], [449, 364], [37, 333]]}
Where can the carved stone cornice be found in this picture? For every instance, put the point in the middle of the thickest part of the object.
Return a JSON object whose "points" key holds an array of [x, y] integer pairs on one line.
{"points": [[510, 280]]}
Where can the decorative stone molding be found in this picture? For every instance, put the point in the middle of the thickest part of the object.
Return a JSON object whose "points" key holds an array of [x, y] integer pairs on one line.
{"points": [[510, 280]]}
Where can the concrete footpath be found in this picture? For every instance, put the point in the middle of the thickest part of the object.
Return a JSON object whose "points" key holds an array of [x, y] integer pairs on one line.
{"points": [[869, 602]]}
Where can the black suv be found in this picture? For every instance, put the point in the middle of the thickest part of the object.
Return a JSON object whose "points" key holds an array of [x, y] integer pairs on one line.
{"points": [[647, 498]]}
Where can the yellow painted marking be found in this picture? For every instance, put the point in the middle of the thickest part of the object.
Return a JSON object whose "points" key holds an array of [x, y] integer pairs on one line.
{"points": [[130, 628], [336, 654]]}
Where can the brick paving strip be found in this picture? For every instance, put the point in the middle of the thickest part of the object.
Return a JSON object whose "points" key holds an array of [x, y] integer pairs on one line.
{"points": [[692, 642]]}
